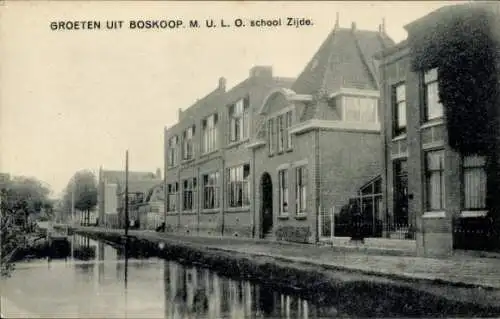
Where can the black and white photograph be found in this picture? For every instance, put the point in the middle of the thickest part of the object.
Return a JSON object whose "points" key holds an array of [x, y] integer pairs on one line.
{"points": [[249, 159]]}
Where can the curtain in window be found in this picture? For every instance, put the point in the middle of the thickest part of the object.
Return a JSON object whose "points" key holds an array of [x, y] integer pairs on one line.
{"points": [[301, 189], [270, 135], [281, 133], [288, 136], [351, 107], [474, 179], [368, 112], [434, 109], [435, 180], [283, 187]]}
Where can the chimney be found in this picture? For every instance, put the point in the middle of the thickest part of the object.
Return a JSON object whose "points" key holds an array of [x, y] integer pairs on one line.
{"points": [[337, 21], [180, 114], [261, 71], [381, 27], [158, 173], [353, 26], [222, 84]]}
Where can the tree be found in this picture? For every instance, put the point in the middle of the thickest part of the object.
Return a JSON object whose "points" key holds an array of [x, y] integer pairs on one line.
{"points": [[20, 198], [82, 187]]}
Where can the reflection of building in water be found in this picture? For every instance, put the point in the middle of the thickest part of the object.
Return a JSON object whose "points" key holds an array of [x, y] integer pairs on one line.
{"points": [[201, 293], [100, 263]]}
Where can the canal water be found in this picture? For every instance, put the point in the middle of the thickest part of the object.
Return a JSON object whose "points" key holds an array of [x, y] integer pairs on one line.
{"points": [[97, 281]]}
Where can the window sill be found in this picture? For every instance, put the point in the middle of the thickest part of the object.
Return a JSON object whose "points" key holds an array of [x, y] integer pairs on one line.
{"points": [[189, 212], [283, 217], [301, 216], [209, 153], [172, 213], [289, 150], [238, 209], [172, 166], [237, 143], [431, 123], [187, 161], [434, 215], [399, 137], [271, 154], [432, 145], [210, 210], [473, 213]]}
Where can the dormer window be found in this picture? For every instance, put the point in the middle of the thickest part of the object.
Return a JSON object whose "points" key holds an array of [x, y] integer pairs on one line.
{"points": [[239, 120], [360, 109]]}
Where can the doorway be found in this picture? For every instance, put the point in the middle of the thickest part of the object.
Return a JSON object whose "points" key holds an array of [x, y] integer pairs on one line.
{"points": [[266, 186]]}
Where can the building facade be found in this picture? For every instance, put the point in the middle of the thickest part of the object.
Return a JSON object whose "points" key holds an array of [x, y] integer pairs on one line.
{"points": [[110, 190], [266, 157], [439, 180]]}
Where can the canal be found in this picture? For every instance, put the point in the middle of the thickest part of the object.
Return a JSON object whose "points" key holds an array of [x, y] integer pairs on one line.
{"points": [[102, 280]]}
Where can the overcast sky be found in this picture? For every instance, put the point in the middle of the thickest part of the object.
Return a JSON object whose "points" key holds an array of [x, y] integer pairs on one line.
{"points": [[74, 100]]}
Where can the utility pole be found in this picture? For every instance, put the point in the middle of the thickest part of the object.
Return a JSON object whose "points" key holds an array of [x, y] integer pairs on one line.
{"points": [[73, 202], [126, 221], [126, 195]]}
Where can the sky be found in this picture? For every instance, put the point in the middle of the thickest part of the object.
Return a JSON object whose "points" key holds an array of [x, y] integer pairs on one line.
{"points": [[78, 99]]}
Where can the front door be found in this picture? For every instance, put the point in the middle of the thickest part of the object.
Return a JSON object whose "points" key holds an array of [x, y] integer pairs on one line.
{"points": [[401, 193], [267, 205]]}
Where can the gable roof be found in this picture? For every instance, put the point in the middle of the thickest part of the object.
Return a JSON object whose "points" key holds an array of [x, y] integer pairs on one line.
{"points": [[344, 60], [118, 178]]}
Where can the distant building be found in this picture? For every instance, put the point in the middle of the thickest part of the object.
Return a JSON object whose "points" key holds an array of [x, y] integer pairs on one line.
{"points": [[111, 186], [264, 158]]}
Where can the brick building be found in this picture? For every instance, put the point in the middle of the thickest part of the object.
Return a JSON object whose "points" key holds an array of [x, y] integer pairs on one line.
{"points": [[439, 180], [263, 158]]}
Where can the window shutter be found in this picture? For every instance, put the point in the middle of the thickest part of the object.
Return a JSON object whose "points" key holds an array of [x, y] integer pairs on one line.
{"points": [[216, 118]]}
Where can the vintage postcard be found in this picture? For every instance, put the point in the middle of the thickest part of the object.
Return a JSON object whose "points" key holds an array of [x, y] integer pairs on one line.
{"points": [[249, 159]]}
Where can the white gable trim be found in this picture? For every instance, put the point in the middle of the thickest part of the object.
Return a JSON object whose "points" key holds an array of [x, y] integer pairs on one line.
{"points": [[356, 92], [289, 95], [335, 125]]}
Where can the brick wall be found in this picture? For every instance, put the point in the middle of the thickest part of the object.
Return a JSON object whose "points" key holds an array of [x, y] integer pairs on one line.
{"points": [[347, 161]]}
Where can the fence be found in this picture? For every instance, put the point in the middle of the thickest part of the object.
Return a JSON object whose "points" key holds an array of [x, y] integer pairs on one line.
{"points": [[363, 215]]}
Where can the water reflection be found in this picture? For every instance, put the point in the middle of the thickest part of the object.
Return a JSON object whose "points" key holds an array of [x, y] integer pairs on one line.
{"points": [[199, 292], [97, 281]]}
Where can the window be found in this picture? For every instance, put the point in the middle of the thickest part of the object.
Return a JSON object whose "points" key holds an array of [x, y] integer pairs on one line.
{"points": [[474, 182], [187, 146], [281, 133], [239, 120], [172, 197], [209, 125], [283, 191], [433, 108], [288, 135], [238, 186], [435, 183], [358, 109], [211, 190], [172, 150], [399, 109], [270, 135], [301, 189], [188, 191]]}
